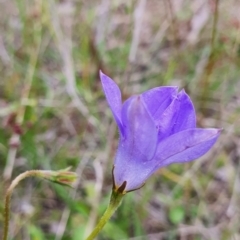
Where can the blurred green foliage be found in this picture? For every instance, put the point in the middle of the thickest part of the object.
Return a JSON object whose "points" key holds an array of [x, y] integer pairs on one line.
{"points": [[53, 114]]}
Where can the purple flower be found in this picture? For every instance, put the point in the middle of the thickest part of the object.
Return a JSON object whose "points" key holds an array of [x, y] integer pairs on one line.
{"points": [[157, 128]]}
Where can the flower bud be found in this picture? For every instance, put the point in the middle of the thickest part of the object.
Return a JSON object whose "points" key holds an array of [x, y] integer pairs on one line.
{"points": [[62, 177]]}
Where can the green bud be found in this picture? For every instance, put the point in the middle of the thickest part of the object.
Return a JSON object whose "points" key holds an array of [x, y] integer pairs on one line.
{"points": [[62, 177]]}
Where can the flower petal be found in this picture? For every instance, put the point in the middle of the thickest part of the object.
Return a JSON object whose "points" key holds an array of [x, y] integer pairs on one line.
{"points": [[129, 170], [168, 119], [140, 130], [114, 98], [186, 115], [158, 99], [179, 115], [185, 146], [138, 145]]}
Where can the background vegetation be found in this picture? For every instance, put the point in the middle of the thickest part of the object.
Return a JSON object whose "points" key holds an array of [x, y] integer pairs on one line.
{"points": [[53, 113]]}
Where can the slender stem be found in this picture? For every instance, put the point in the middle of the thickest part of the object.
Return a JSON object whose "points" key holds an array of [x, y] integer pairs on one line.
{"points": [[28, 83], [214, 27], [115, 202], [14, 183], [64, 177]]}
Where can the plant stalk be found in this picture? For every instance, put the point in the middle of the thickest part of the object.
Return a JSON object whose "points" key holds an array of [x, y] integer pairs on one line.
{"points": [[15, 182], [115, 201], [63, 177]]}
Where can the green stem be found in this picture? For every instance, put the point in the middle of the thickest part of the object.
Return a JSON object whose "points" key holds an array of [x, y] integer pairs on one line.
{"points": [[14, 183], [63, 176], [115, 202]]}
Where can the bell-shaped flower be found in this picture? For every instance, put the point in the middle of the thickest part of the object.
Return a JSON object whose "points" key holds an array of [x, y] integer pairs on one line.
{"points": [[157, 128]]}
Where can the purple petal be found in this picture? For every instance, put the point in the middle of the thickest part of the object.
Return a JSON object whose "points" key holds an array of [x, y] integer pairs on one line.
{"points": [[179, 115], [186, 115], [185, 146], [140, 130], [113, 96], [139, 143], [168, 119], [158, 99], [127, 169]]}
